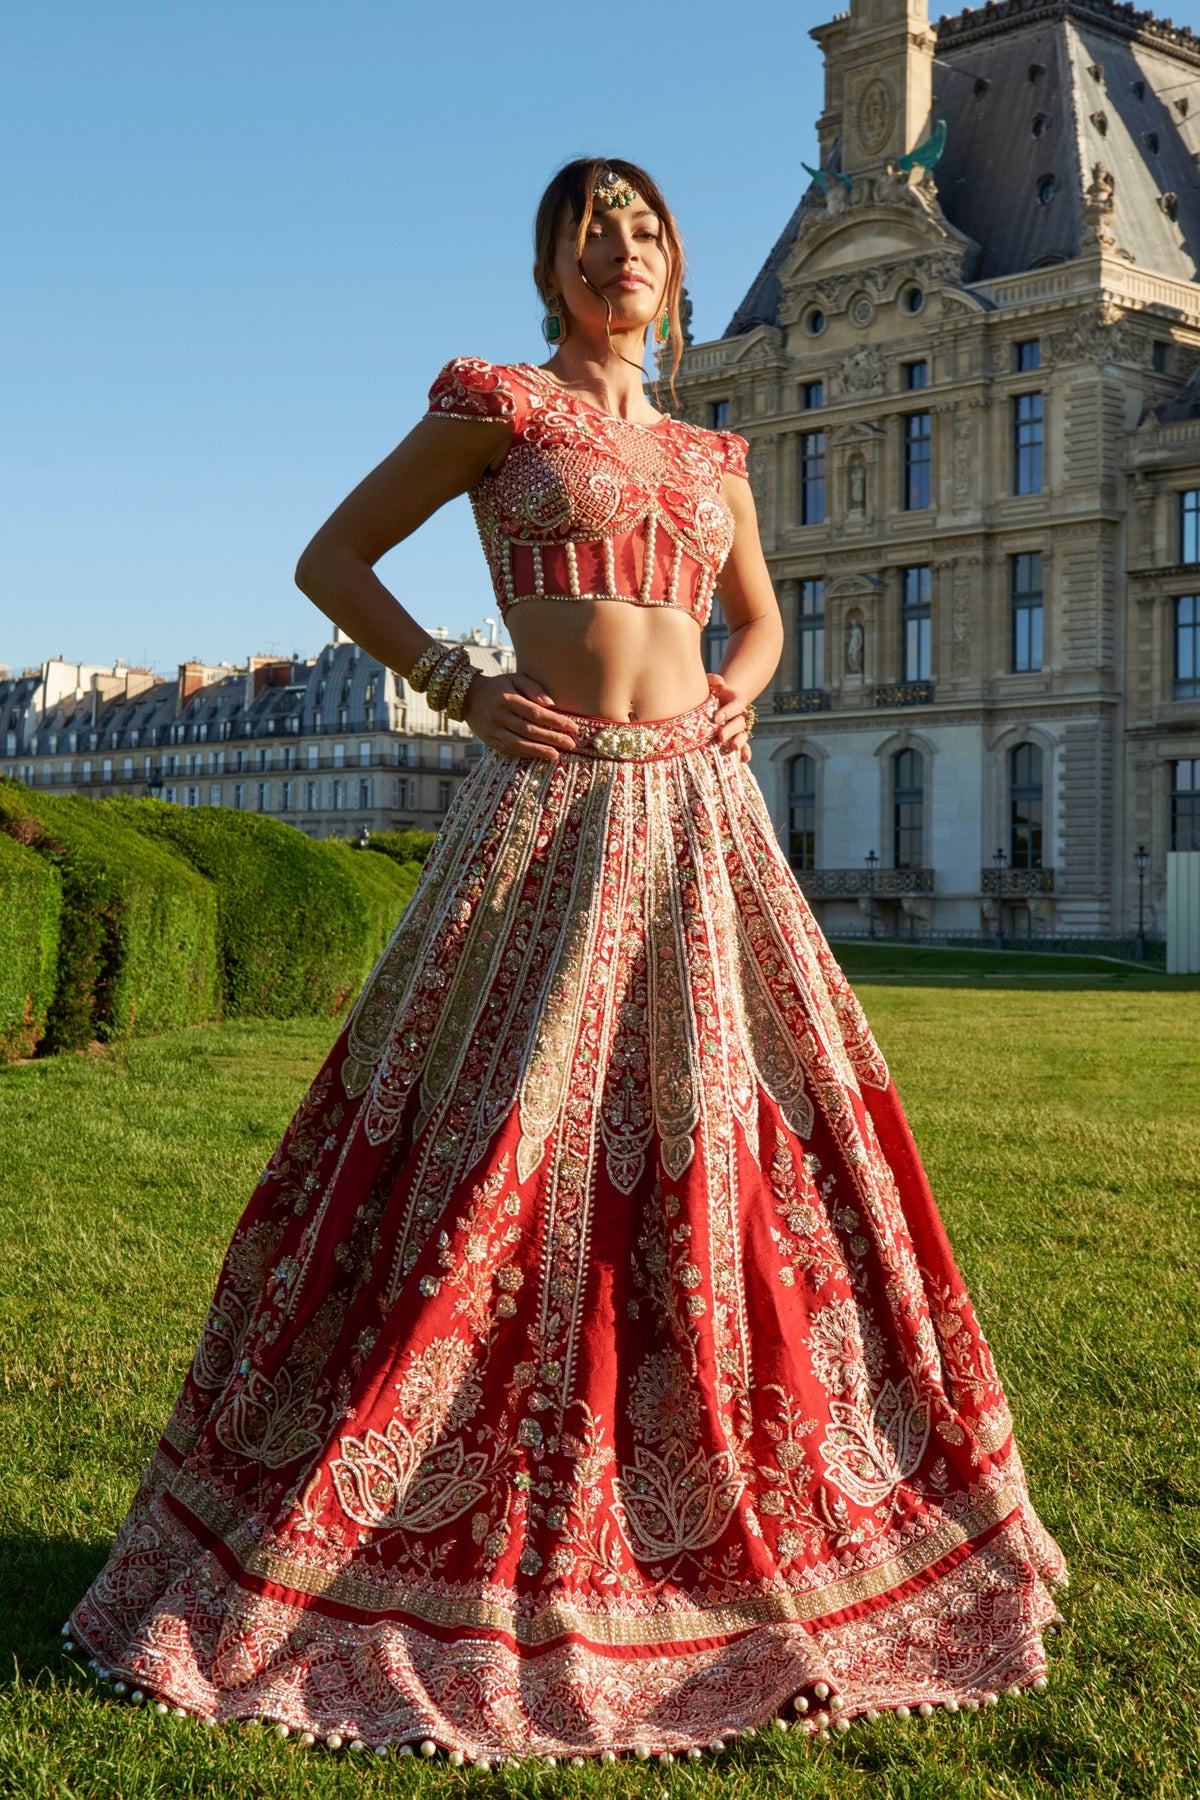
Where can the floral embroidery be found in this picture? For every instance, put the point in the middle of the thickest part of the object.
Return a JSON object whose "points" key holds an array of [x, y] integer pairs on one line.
{"points": [[586, 506], [504, 1403]]}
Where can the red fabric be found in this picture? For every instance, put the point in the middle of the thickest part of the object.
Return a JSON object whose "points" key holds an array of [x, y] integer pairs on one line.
{"points": [[576, 476], [590, 1367]]}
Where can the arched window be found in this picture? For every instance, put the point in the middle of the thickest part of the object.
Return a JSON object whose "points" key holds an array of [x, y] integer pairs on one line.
{"points": [[802, 812], [908, 809], [1025, 807]]}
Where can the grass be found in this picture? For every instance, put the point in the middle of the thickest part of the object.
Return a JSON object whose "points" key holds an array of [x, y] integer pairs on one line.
{"points": [[1061, 1135]]}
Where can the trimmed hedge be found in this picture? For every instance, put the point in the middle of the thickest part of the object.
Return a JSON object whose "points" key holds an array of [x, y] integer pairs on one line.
{"points": [[30, 920], [404, 846], [137, 948], [384, 886], [292, 923]]}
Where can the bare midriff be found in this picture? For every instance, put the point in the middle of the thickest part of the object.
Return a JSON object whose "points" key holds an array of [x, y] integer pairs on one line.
{"points": [[610, 659]]}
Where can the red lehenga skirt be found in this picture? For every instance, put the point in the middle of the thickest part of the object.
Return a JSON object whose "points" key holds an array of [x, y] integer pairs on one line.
{"points": [[589, 1370]]}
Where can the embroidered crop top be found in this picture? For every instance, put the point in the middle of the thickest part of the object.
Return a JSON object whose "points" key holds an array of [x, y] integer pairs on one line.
{"points": [[587, 506]]}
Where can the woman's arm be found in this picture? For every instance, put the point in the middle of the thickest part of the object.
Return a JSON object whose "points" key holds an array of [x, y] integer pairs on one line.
{"points": [[752, 614], [439, 459]]}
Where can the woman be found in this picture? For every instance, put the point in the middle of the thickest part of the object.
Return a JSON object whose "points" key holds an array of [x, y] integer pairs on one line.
{"points": [[590, 1371]]}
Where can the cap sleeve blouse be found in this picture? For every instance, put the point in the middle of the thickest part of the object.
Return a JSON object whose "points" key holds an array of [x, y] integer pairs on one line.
{"points": [[470, 388], [734, 449]]}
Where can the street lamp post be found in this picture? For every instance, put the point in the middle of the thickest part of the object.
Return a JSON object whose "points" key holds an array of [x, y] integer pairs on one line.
{"points": [[872, 862], [999, 859], [364, 842], [1141, 859]]}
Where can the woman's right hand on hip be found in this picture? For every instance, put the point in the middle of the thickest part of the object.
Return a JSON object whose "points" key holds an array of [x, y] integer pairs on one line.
{"points": [[514, 714]]}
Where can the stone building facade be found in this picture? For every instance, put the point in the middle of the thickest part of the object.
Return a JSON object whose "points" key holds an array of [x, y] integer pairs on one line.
{"points": [[333, 745], [969, 374]]}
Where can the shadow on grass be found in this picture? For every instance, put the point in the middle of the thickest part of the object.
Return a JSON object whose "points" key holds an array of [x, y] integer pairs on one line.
{"points": [[951, 966], [41, 1579]]}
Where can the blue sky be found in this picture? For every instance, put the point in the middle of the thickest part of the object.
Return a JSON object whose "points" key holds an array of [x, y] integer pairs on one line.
{"points": [[243, 236]]}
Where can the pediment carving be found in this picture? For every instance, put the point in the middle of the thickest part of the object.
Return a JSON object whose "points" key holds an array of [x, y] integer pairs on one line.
{"points": [[886, 230]]}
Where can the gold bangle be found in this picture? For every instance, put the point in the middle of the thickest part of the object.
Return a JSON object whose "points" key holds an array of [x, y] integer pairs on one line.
{"points": [[751, 717], [457, 703], [443, 677], [418, 676]]}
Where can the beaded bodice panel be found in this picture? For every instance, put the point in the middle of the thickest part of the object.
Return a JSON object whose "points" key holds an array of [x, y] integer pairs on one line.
{"points": [[587, 506]]}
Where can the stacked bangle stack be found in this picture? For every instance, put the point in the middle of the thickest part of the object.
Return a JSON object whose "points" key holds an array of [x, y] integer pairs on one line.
{"points": [[443, 673]]}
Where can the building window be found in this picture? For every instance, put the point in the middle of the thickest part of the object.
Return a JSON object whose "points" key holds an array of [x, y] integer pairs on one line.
{"points": [[1027, 444], [443, 795], [715, 639], [171, 796], [1187, 647], [312, 796], [366, 751], [802, 812], [908, 809], [364, 791], [916, 627], [339, 756], [916, 375], [1189, 526], [86, 769], [264, 796], [718, 415], [191, 796], [126, 768], [1158, 357], [214, 794], [1028, 355], [314, 751], [106, 769], [286, 795], [1025, 807], [811, 632], [337, 794], [918, 453], [812, 478], [445, 755], [403, 794], [1185, 804], [1026, 592], [812, 395]]}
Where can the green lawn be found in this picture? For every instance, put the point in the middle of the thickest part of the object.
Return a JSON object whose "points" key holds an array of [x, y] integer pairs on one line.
{"points": [[1061, 1131]]}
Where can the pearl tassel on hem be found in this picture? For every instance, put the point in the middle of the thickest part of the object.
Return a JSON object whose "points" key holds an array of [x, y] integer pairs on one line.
{"points": [[823, 1724]]}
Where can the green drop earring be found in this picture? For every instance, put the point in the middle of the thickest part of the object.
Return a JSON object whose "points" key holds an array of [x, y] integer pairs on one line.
{"points": [[554, 325], [662, 328]]}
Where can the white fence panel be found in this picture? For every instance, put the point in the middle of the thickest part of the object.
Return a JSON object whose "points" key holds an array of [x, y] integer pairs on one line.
{"points": [[1183, 912]]}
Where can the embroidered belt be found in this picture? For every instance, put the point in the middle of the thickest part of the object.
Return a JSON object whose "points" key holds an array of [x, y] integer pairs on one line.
{"points": [[643, 740]]}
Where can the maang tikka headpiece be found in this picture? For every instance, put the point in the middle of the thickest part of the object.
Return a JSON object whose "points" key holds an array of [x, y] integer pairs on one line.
{"points": [[613, 190]]}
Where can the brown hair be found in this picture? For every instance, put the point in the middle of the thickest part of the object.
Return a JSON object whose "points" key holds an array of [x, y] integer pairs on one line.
{"points": [[572, 188]]}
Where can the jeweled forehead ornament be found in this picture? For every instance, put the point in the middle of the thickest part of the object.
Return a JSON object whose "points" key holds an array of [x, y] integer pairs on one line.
{"points": [[613, 190]]}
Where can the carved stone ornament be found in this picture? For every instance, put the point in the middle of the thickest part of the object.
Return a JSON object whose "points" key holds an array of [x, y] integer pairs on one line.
{"points": [[856, 484], [861, 311], [875, 115], [855, 641], [964, 445], [960, 625], [1101, 335], [1098, 210], [863, 371]]}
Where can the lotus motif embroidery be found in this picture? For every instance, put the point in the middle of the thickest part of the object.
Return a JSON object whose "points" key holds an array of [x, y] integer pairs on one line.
{"points": [[382, 1479], [671, 1508], [869, 1452]]}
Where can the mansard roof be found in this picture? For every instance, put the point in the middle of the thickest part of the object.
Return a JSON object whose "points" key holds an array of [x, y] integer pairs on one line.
{"points": [[1035, 93]]}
